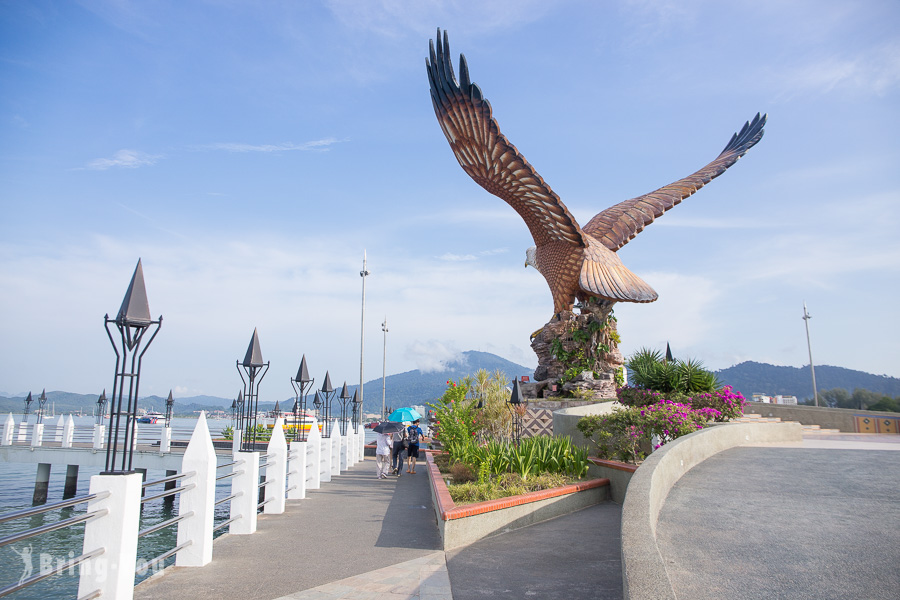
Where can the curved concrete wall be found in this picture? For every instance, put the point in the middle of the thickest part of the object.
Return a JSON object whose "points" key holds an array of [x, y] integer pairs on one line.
{"points": [[643, 570], [565, 421]]}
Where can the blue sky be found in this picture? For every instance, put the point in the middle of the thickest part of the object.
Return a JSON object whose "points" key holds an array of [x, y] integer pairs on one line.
{"points": [[249, 153]]}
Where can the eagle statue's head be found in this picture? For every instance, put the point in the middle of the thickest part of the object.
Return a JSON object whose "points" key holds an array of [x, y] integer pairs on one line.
{"points": [[531, 257]]}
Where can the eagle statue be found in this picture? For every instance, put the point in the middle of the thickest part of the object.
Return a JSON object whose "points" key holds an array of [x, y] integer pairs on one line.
{"points": [[578, 262]]}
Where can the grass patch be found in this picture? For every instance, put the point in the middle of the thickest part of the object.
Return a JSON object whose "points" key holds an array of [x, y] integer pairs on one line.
{"points": [[508, 484]]}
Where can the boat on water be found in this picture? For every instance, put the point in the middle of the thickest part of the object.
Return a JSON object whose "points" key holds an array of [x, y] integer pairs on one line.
{"points": [[152, 418]]}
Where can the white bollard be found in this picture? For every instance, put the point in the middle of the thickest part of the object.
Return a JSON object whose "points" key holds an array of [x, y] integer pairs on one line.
{"points": [[335, 449], [236, 441], [37, 435], [112, 573], [200, 456], [351, 445], [246, 483], [60, 424], [9, 428], [361, 430], [276, 470], [134, 438], [325, 447], [99, 434], [165, 439], [313, 453], [23, 431], [68, 432], [296, 477]]}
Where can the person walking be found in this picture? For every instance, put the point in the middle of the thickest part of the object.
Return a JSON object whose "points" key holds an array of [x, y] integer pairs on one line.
{"points": [[382, 454], [397, 451], [414, 434]]}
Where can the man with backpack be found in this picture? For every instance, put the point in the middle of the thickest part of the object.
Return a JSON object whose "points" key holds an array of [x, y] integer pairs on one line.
{"points": [[413, 434]]}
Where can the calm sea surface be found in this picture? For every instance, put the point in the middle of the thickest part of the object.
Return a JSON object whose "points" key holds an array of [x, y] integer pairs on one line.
{"points": [[17, 488]]}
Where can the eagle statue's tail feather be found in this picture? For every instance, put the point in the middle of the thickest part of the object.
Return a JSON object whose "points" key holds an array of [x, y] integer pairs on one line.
{"points": [[604, 275]]}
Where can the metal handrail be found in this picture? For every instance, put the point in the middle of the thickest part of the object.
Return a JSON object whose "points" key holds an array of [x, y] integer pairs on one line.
{"points": [[262, 484], [59, 569], [91, 596], [293, 487], [227, 498], [268, 464], [232, 463], [164, 524], [227, 475], [29, 533], [171, 492], [28, 512], [264, 502], [224, 523], [170, 478], [270, 455], [161, 557]]}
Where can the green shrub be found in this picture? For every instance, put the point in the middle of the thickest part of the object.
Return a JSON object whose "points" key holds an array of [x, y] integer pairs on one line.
{"points": [[651, 371], [461, 473]]}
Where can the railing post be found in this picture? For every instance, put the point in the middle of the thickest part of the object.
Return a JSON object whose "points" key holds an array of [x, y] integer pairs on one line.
{"points": [[37, 434], [276, 471], [99, 433], [361, 431], [134, 439], [112, 573], [325, 447], [236, 441], [296, 477], [247, 484], [345, 451], [68, 432], [23, 430], [312, 458], [9, 428], [165, 439], [335, 449], [200, 456], [60, 424], [351, 445]]}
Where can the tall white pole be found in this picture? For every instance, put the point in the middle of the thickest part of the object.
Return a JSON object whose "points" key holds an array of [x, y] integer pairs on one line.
{"points": [[384, 328], [806, 319], [362, 328]]}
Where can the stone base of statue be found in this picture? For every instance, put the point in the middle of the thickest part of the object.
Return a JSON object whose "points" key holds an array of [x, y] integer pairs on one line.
{"points": [[578, 355]]}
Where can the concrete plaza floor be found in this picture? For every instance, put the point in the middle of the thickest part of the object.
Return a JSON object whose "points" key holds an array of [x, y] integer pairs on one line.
{"points": [[364, 538], [812, 520]]}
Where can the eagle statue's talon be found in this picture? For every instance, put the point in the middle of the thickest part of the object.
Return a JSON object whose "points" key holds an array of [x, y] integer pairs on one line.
{"points": [[574, 260]]}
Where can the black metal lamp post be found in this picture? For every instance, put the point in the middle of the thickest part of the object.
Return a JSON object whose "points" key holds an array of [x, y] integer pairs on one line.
{"points": [[101, 408], [317, 403], [301, 384], [357, 410], [132, 321], [516, 405], [276, 412], [255, 369], [345, 399], [170, 402], [28, 401], [41, 402], [239, 411], [327, 395]]}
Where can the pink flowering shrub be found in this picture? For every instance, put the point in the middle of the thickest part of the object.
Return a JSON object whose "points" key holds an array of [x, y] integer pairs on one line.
{"points": [[626, 433], [728, 403]]}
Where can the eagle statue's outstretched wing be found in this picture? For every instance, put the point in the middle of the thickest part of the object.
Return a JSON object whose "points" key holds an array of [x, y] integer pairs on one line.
{"points": [[618, 224], [488, 157]]}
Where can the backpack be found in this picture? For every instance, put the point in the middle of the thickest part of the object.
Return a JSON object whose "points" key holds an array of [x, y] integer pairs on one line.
{"points": [[413, 435]]}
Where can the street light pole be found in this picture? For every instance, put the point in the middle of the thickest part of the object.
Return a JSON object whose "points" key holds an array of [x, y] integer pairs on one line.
{"points": [[362, 327], [806, 318], [384, 328]]}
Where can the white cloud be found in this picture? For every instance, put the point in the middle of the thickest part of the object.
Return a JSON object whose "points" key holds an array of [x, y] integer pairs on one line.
{"points": [[321, 145], [448, 256], [432, 355], [126, 159], [874, 70]]}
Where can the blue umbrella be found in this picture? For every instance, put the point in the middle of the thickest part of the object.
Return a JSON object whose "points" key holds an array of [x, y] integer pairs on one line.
{"points": [[404, 414]]}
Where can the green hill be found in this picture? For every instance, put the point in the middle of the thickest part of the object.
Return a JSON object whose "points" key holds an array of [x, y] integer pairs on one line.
{"points": [[753, 377]]}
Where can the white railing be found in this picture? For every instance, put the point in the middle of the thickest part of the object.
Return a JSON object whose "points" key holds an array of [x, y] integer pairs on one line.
{"points": [[113, 505]]}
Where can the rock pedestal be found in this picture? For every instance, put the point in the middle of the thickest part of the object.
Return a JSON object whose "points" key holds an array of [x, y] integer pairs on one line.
{"points": [[578, 355]]}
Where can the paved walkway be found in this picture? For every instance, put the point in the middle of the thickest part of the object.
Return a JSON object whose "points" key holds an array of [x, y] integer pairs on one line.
{"points": [[363, 538], [811, 520]]}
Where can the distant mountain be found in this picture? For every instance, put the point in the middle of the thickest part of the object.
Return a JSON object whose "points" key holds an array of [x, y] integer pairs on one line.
{"points": [[402, 389], [753, 377]]}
